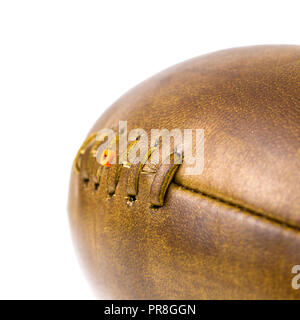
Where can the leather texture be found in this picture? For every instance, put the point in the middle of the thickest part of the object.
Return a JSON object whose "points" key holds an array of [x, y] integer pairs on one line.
{"points": [[231, 232]]}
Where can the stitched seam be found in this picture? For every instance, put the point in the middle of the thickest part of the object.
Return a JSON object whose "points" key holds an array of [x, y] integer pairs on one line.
{"points": [[167, 182], [241, 207], [207, 195]]}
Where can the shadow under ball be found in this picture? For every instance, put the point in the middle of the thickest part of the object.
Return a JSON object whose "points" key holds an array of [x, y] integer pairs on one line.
{"points": [[231, 232]]}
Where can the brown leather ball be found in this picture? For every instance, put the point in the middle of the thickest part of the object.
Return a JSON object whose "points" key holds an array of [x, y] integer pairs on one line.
{"points": [[230, 231]]}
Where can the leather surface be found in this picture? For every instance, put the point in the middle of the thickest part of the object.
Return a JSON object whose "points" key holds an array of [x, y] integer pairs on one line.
{"points": [[232, 232]]}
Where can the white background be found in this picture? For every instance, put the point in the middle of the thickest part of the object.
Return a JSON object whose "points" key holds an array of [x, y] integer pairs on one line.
{"points": [[62, 63]]}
